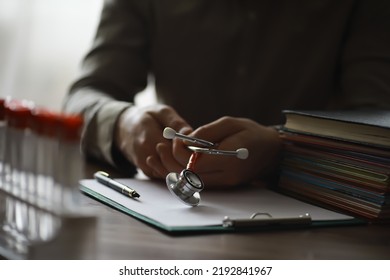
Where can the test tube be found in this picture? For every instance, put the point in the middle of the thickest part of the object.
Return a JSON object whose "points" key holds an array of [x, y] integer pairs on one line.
{"points": [[45, 126], [70, 168], [2, 137], [18, 113], [43, 222], [2, 161], [5, 169]]}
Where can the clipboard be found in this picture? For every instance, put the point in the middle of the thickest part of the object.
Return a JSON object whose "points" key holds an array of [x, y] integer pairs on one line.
{"points": [[249, 208]]}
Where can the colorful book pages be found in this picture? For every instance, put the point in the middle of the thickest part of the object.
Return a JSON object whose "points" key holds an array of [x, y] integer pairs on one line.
{"points": [[340, 175]]}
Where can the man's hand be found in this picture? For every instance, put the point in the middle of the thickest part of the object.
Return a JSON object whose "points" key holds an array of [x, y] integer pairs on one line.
{"points": [[263, 144], [139, 136]]}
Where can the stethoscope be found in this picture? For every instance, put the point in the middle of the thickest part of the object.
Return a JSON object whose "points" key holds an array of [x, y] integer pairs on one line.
{"points": [[187, 185]]}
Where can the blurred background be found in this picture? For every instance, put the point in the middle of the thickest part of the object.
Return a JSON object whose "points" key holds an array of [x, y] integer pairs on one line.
{"points": [[42, 43]]}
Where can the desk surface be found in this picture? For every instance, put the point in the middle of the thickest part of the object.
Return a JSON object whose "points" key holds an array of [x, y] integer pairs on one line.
{"points": [[120, 236]]}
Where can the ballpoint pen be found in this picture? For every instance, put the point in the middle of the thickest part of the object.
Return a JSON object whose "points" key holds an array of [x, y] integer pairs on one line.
{"points": [[105, 179]]}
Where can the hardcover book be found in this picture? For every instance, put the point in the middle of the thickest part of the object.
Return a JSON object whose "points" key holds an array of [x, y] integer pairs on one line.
{"points": [[339, 160], [370, 127]]}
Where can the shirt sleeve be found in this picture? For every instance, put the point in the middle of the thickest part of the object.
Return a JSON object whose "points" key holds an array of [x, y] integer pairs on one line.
{"points": [[113, 72], [365, 72]]}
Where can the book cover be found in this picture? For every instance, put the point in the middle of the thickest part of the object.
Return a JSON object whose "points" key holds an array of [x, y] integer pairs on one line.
{"points": [[370, 127]]}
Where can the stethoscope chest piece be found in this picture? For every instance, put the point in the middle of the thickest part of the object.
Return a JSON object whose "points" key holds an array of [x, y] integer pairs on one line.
{"points": [[185, 186]]}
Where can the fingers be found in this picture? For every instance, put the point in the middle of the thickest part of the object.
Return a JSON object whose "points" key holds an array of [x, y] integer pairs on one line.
{"points": [[165, 162], [155, 167], [172, 155], [169, 163], [142, 148], [139, 136], [232, 133], [219, 129], [176, 154]]}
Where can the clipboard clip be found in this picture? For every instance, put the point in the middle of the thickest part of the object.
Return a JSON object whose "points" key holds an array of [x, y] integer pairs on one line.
{"points": [[265, 219]]}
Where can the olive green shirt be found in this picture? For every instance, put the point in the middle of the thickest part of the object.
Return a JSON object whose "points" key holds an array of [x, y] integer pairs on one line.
{"points": [[242, 58]]}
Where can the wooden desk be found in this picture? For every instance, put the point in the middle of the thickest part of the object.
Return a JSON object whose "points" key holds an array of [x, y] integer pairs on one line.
{"points": [[122, 237], [119, 236]]}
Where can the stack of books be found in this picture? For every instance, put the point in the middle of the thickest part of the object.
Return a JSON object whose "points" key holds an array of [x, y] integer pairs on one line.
{"points": [[339, 160]]}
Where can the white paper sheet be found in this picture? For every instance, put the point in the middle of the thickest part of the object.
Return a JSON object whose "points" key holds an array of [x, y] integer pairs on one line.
{"points": [[157, 203]]}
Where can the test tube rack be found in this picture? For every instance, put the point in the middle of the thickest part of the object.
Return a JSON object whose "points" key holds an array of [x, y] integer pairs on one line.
{"points": [[40, 165]]}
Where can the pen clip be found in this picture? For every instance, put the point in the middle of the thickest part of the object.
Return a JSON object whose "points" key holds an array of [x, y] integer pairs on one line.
{"points": [[101, 177], [267, 220]]}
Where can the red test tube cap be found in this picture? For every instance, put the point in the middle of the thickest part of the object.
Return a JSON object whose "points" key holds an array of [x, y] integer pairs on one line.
{"points": [[70, 127], [18, 113], [45, 122], [2, 109]]}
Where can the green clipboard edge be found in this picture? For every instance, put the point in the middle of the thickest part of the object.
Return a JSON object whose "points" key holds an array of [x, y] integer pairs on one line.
{"points": [[180, 230]]}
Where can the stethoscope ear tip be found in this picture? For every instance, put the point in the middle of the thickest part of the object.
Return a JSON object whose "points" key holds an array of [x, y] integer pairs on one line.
{"points": [[169, 133], [242, 153]]}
